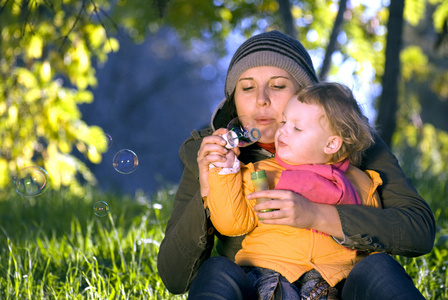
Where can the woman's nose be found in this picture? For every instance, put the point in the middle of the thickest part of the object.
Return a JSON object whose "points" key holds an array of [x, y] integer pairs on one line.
{"points": [[263, 97]]}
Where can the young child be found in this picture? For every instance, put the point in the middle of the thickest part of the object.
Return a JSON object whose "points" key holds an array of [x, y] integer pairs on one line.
{"points": [[322, 135]]}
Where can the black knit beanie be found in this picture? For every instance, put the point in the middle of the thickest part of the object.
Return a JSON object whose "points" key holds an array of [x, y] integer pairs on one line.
{"points": [[275, 49]]}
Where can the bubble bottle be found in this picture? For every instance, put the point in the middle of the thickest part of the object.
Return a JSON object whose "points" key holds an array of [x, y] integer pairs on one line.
{"points": [[260, 184]]}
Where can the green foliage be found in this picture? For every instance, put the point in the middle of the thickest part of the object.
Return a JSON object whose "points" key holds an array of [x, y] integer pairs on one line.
{"points": [[423, 148], [313, 17], [366, 40], [46, 52], [440, 14], [418, 144], [414, 63], [195, 19], [414, 11]]}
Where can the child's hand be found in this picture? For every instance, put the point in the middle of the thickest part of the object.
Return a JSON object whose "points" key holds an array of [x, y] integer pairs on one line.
{"points": [[213, 151], [228, 163]]}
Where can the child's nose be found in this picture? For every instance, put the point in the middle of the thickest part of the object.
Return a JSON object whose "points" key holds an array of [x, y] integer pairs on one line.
{"points": [[283, 129]]}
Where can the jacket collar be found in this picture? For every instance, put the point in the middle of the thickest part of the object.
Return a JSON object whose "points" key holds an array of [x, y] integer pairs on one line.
{"points": [[217, 113]]}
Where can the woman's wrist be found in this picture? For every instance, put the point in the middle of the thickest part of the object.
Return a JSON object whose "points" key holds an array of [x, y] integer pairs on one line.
{"points": [[327, 220]]}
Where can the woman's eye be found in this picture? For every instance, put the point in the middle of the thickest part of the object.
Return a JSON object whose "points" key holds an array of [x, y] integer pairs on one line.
{"points": [[278, 87], [248, 88], [297, 129]]}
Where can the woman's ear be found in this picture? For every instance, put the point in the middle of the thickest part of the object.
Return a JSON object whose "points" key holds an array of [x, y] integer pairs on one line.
{"points": [[333, 145]]}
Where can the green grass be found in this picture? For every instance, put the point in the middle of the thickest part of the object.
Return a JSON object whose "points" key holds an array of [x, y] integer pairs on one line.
{"points": [[430, 272], [55, 247]]}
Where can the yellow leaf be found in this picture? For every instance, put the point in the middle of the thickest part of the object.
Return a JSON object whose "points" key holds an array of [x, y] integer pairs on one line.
{"points": [[35, 47], [2, 108], [82, 55], [64, 146], [93, 155], [225, 14], [4, 174], [97, 34], [45, 71], [84, 97], [273, 6], [296, 12], [13, 112], [440, 16], [81, 147], [26, 78], [32, 95], [413, 61], [111, 45]]}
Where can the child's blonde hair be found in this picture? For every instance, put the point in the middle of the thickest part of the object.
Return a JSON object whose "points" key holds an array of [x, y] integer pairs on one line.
{"points": [[344, 117]]}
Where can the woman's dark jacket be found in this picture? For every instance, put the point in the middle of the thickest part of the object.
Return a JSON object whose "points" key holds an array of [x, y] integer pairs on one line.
{"points": [[405, 225]]}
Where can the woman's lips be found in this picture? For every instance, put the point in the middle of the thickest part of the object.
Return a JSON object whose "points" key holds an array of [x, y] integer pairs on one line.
{"points": [[264, 120]]}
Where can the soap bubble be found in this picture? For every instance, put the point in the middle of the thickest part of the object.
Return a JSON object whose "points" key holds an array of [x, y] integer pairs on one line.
{"points": [[241, 133], [104, 142], [101, 208], [31, 181], [125, 161]]}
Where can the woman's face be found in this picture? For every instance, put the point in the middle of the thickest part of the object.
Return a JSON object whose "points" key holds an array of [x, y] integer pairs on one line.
{"points": [[261, 94]]}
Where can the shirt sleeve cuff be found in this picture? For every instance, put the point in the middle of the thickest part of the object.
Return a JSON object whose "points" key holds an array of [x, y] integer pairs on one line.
{"points": [[225, 171], [339, 241]]}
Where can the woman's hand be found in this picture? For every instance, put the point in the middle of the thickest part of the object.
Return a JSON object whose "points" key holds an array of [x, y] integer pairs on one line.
{"points": [[213, 151], [294, 210]]}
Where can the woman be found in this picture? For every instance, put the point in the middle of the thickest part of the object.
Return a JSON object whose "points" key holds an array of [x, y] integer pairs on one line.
{"points": [[264, 73]]}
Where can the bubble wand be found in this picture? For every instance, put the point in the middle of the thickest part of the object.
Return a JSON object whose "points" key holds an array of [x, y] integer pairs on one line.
{"points": [[240, 135]]}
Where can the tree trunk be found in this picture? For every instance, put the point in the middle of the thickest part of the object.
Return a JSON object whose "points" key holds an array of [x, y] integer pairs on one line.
{"points": [[386, 120], [284, 8], [333, 40]]}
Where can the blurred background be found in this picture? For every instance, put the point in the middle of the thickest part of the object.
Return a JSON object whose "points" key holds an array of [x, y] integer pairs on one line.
{"points": [[147, 73]]}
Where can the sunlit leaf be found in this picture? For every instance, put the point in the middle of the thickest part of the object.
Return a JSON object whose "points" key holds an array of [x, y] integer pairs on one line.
{"points": [[440, 16], [4, 172], [414, 61], [45, 71], [34, 49], [225, 14], [26, 78]]}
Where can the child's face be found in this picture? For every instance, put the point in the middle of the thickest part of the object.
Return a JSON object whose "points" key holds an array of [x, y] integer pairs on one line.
{"points": [[304, 134]]}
